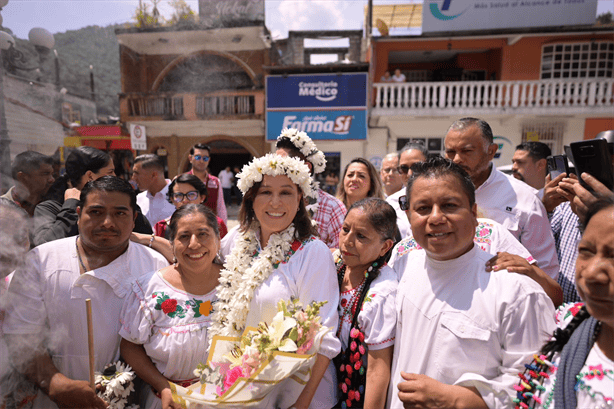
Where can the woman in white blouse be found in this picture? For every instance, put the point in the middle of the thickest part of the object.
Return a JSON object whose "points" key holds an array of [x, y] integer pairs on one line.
{"points": [[366, 310], [165, 318], [275, 255], [575, 369]]}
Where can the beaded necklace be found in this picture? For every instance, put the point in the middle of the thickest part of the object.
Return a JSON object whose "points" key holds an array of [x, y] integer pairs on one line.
{"points": [[531, 385], [351, 375]]}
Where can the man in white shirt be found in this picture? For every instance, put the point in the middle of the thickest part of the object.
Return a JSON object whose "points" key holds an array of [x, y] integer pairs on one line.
{"points": [[469, 144], [411, 153], [148, 173], [529, 164], [225, 176], [391, 179], [465, 332], [45, 327]]}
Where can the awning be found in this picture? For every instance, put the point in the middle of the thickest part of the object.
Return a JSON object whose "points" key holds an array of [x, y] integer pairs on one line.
{"points": [[103, 137]]}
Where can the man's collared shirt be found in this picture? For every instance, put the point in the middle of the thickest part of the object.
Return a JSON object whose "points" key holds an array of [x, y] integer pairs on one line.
{"points": [[155, 207], [515, 205]]}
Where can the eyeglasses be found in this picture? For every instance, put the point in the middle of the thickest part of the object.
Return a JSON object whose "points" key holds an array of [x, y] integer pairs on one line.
{"points": [[178, 196], [201, 157], [390, 170], [403, 169], [403, 204]]}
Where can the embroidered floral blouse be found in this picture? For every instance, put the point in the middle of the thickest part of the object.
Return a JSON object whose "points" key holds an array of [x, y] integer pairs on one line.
{"points": [[595, 386], [170, 324]]}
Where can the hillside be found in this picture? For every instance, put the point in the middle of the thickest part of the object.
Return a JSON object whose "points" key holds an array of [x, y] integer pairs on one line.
{"points": [[77, 50]]}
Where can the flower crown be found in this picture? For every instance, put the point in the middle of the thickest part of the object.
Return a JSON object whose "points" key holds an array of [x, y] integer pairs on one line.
{"points": [[303, 143], [276, 165]]}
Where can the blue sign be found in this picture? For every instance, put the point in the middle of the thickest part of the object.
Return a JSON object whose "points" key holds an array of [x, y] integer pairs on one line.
{"points": [[337, 124], [317, 91], [326, 106]]}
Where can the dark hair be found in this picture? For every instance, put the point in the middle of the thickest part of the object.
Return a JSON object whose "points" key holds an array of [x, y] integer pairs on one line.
{"points": [[82, 159], [415, 145], [149, 161], [29, 161], [381, 216], [603, 202], [375, 188], [108, 184], [482, 125], [536, 150], [190, 180], [439, 167], [302, 221], [202, 146], [192, 208], [286, 144]]}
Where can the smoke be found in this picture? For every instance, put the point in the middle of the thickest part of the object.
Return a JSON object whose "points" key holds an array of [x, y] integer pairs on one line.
{"points": [[14, 243]]}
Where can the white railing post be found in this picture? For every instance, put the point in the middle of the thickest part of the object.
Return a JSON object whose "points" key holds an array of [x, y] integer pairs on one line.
{"points": [[442, 96], [515, 95], [591, 93], [378, 95]]}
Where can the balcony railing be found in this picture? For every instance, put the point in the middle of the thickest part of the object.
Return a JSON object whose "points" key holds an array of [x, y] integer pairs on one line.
{"points": [[218, 105], [542, 96]]}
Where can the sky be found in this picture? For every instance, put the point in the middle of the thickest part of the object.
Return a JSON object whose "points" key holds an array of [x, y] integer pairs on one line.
{"points": [[62, 15]]}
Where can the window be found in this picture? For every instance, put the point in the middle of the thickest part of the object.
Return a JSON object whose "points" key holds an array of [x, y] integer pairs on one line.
{"points": [[578, 60], [550, 133]]}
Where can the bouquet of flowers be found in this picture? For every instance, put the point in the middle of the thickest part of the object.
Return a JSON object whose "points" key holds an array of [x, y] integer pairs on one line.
{"points": [[116, 381], [244, 371]]}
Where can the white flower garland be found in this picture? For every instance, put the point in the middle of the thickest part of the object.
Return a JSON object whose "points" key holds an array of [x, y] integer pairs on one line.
{"points": [[303, 143], [242, 274], [276, 165]]}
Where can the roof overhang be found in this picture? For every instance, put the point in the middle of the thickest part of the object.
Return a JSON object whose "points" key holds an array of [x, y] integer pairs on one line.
{"points": [[166, 42]]}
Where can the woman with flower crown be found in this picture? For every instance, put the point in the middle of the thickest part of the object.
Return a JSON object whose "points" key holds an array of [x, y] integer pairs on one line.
{"points": [[367, 312], [277, 256]]}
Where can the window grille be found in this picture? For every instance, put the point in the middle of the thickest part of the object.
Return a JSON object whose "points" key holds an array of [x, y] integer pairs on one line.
{"points": [[578, 60], [550, 133]]}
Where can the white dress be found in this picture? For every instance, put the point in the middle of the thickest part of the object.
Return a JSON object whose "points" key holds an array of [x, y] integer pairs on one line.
{"points": [[377, 318], [309, 275], [595, 388], [171, 325], [461, 325]]}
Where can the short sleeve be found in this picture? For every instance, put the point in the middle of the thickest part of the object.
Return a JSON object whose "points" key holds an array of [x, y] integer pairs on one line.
{"points": [[136, 317], [378, 316]]}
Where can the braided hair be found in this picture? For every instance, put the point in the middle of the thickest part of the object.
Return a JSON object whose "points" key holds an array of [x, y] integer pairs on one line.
{"points": [[562, 335]]}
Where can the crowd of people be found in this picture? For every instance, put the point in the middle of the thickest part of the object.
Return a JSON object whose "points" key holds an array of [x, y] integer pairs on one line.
{"points": [[446, 282]]}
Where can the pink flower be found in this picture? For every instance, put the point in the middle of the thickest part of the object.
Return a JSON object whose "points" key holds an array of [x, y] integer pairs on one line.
{"points": [[361, 349], [354, 332], [232, 376], [305, 347]]}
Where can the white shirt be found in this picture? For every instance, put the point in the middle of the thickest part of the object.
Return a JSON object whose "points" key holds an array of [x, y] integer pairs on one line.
{"points": [[225, 177], [47, 298], [490, 236], [308, 275], [464, 326], [155, 207], [402, 221], [516, 206]]}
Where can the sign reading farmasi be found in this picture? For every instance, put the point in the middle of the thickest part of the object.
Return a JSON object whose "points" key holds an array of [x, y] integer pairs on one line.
{"points": [[326, 106], [464, 15], [230, 13]]}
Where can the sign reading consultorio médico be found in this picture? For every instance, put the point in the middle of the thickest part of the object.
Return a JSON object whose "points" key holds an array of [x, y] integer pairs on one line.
{"points": [[326, 106], [462, 15]]}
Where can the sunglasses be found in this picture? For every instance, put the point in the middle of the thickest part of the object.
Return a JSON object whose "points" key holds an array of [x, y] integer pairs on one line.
{"points": [[178, 197], [390, 170], [403, 169], [201, 157], [403, 203]]}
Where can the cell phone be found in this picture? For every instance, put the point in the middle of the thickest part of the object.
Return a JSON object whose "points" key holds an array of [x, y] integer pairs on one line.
{"points": [[593, 157], [557, 164]]}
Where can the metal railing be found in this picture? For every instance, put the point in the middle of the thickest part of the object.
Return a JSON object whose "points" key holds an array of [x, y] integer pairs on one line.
{"points": [[492, 95]]}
